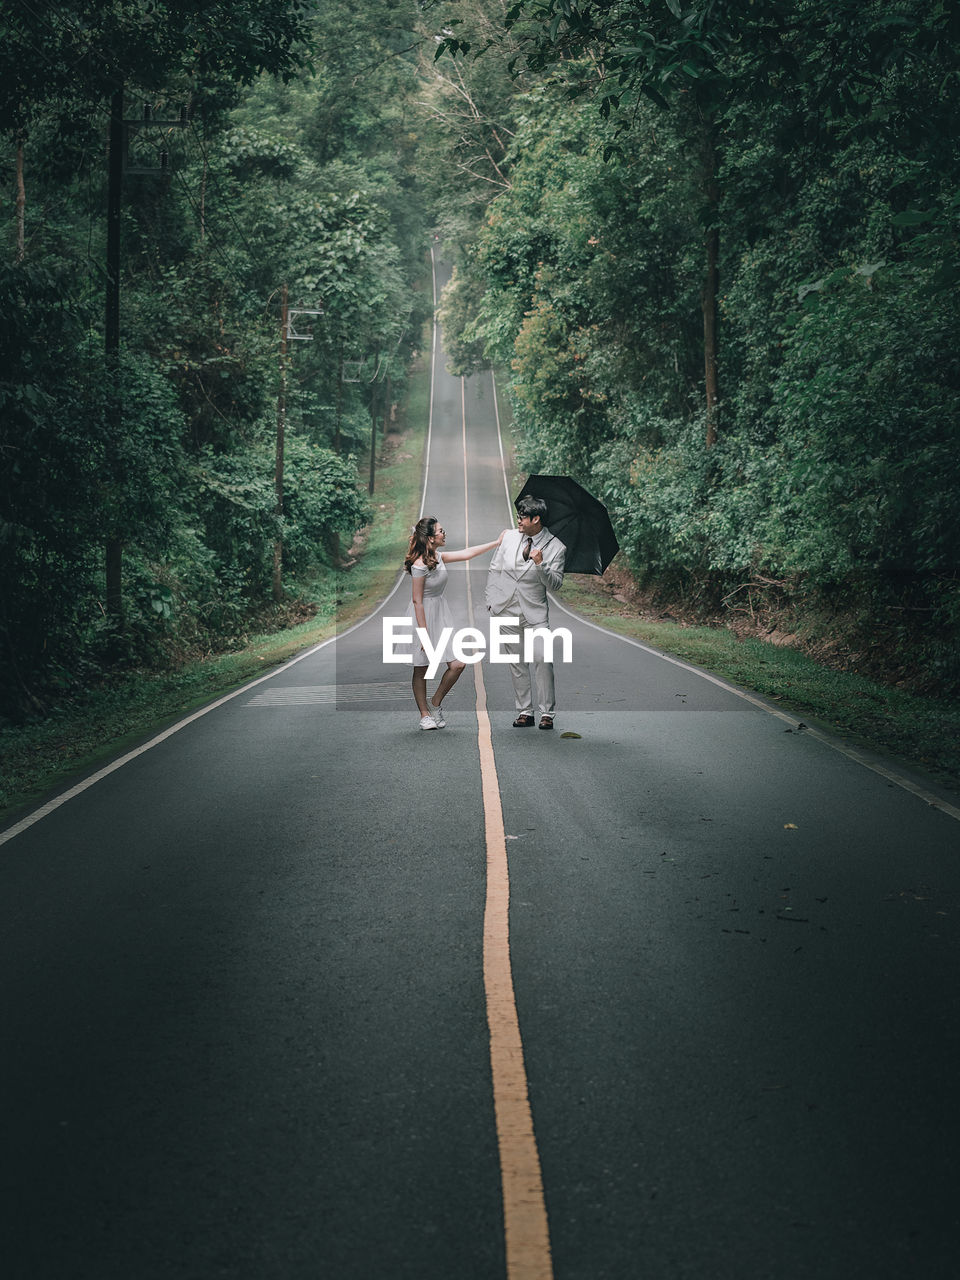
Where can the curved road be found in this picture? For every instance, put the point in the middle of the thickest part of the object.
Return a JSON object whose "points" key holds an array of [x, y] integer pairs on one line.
{"points": [[252, 977]]}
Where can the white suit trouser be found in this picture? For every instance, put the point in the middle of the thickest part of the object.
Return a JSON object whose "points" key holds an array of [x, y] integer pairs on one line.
{"points": [[513, 641]]}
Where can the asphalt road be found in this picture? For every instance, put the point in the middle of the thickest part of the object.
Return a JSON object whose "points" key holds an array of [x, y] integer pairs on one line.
{"points": [[244, 1021]]}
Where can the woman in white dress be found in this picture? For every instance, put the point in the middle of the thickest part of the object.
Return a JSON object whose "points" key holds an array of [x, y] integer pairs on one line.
{"points": [[424, 562]]}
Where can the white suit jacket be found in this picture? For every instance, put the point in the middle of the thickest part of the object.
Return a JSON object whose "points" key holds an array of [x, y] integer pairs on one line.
{"points": [[518, 587]]}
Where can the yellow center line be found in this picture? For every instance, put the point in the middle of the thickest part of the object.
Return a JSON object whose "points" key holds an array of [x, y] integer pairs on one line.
{"points": [[526, 1231]]}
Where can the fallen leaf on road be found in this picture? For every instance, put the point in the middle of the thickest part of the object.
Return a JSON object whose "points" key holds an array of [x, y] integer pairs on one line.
{"points": [[568, 734], [790, 826]]}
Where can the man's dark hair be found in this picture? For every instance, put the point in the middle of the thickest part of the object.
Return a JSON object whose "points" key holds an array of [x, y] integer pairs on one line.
{"points": [[530, 506]]}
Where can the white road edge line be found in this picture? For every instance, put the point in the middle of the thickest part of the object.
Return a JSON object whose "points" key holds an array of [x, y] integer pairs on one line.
{"points": [[934, 801], [51, 806], [928, 797], [891, 775]]}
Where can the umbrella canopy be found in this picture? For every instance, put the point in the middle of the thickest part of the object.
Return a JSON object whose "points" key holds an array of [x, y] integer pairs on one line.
{"points": [[578, 520]]}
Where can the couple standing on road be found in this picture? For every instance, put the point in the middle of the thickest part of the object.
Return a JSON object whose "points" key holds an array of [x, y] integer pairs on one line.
{"points": [[527, 561]]}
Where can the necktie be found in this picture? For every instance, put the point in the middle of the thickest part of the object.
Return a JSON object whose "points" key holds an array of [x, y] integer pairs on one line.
{"points": [[526, 548]]}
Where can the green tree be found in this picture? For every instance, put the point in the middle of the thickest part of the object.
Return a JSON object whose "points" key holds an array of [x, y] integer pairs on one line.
{"points": [[700, 57], [836, 176], [250, 200]]}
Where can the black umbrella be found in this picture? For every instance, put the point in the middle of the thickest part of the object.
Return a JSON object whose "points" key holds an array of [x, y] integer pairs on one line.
{"points": [[578, 520]]}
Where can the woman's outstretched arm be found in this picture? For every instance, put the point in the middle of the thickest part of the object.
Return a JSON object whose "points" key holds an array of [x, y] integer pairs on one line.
{"points": [[468, 553]]}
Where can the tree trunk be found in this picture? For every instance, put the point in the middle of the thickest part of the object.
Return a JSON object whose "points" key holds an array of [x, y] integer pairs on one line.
{"points": [[373, 438], [281, 428], [24, 695], [114, 577], [21, 204], [114, 209], [113, 557], [203, 201], [711, 289], [336, 438]]}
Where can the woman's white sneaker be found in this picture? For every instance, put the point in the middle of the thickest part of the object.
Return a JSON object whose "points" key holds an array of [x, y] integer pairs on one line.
{"points": [[428, 722], [437, 713]]}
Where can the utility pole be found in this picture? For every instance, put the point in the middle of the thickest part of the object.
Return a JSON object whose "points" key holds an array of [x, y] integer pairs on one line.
{"points": [[281, 428], [114, 547], [288, 333], [21, 202], [336, 439], [116, 166], [373, 436], [711, 289], [114, 204]]}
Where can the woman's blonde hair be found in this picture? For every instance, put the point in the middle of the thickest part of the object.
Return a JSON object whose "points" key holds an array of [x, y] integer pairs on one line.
{"points": [[418, 549]]}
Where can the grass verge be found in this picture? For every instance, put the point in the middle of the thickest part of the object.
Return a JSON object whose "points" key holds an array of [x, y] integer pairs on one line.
{"points": [[41, 757], [923, 732]]}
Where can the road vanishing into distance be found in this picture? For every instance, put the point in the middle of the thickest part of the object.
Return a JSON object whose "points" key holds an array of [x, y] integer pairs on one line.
{"points": [[299, 992]]}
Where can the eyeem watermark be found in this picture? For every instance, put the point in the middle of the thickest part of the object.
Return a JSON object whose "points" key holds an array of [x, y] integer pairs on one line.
{"points": [[469, 644]]}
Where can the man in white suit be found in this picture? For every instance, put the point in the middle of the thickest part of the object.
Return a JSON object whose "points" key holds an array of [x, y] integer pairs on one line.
{"points": [[528, 561]]}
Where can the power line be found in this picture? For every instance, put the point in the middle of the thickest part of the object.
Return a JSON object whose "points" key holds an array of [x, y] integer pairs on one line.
{"points": [[191, 200], [213, 175]]}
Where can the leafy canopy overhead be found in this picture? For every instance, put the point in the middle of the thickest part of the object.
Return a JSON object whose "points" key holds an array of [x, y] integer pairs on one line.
{"points": [[81, 51], [838, 49]]}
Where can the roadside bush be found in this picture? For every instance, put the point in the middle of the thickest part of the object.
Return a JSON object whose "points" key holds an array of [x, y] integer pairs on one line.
{"points": [[321, 500]]}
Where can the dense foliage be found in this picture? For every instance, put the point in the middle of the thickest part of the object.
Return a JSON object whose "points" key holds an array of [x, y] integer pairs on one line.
{"points": [[715, 243], [759, 202], [268, 155]]}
